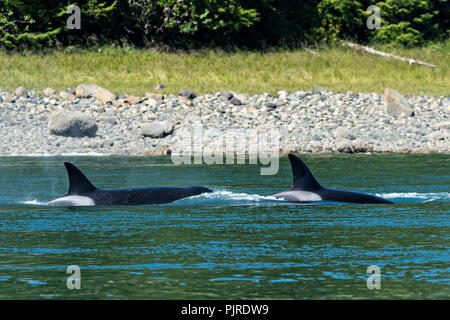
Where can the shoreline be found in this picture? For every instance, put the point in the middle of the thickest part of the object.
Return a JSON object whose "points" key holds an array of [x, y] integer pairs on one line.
{"points": [[93, 123]]}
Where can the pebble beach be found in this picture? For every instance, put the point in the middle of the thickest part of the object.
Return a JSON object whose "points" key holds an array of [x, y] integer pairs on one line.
{"points": [[85, 121]]}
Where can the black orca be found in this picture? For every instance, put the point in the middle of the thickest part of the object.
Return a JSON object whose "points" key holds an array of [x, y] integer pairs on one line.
{"points": [[83, 193], [306, 188]]}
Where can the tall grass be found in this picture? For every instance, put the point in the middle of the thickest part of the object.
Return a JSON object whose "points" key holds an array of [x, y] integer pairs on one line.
{"points": [[136, 71]]}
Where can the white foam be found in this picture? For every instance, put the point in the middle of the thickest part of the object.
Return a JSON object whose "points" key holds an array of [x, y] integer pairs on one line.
{"points": [[432, 196], [34, 202], [228, 195]]}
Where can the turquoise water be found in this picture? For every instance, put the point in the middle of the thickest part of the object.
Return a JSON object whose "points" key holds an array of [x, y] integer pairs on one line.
{"points": [[236, 243]]}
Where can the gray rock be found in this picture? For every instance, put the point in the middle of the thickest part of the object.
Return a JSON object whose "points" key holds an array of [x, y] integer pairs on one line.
{"points": [[160, 86], [243, 98], [355, 146], [444, 125], [89, 89], [86, 89], [157, 129], [395, 103], [187, 93], [72, 124], [344, 133], [21, 92], [270, 106], [226, 94], [8, 97], [133, 99], [300, 93], [155, 96], [67, 96], [108, 142], [235, 102], [48, 92]]}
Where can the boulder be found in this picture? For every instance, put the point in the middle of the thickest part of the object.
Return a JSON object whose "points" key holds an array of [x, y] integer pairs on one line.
{"points": [[89, 89], [395, 103], [8, 97], [155, 96], [48, 92], [132, 99], [72, 124], [21, 92], [85, 89], [187, 93], [355, 146], [151, 102], [67, 95], [344, 133], [226, 95], [157, 129], [235, 101]]}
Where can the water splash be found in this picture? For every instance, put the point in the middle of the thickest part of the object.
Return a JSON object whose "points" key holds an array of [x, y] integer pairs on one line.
{"points": [[228, 197], [34, 202], [416, 196]]}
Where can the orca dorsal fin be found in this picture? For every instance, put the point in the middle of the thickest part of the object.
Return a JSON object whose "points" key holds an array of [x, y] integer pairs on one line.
{"points": [[303, 178], [78, 183]]}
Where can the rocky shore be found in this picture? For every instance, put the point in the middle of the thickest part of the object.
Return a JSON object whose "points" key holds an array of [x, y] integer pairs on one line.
{"points": [[92, 120]]}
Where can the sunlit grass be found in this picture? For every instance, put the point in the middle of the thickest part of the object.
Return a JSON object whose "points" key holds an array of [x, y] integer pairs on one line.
{"points": [[136, 71]]}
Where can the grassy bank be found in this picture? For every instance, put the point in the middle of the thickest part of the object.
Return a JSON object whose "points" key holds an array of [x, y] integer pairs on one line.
{"points": [[136, 71]]}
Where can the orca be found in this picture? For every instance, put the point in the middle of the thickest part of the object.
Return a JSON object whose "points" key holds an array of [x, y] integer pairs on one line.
{"points": [[83, 193], [306, 189]]}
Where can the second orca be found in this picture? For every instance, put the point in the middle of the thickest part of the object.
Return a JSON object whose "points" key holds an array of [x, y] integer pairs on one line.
{"points": [[306, 189]]}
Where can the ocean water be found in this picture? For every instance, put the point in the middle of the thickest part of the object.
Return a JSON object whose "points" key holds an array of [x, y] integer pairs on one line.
{"points": [[236, 243]]}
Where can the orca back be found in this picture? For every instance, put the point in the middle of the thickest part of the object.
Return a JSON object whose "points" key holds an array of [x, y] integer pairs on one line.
{"points": [[305, 186]]}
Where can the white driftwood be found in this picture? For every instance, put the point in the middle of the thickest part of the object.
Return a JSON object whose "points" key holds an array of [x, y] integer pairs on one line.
{"points": [[312, 52], [361, 48]]}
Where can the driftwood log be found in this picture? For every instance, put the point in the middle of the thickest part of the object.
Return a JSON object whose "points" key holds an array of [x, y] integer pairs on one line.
{"points": [[365, 49]]}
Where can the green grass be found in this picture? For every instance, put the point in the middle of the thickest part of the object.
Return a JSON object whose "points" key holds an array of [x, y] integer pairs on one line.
{"points": [[136, 71]]}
